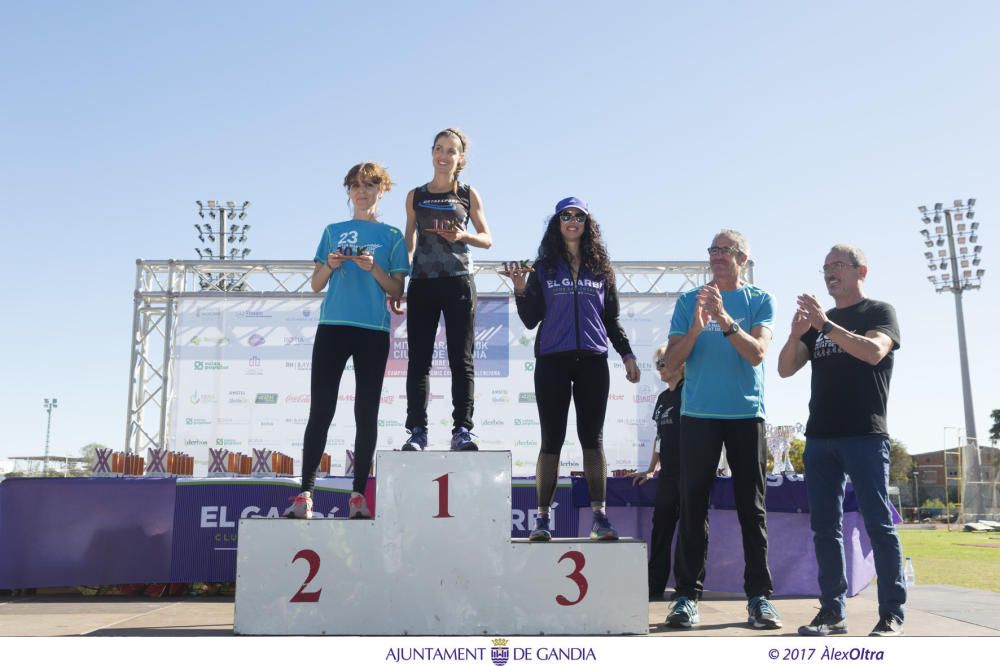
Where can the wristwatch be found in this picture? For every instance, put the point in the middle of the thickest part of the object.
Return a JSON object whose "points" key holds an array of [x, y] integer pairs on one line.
{"points": [[826, 328], [733, 329]]}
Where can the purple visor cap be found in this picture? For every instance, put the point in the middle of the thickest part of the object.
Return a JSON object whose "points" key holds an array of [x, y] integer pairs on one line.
{"points": [[572, 202]]}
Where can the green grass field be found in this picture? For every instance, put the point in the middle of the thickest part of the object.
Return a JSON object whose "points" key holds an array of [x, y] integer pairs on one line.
{"points": [[958, 558]]}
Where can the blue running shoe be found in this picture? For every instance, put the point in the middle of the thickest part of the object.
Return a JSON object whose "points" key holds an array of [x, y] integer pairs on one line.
{"points": [[417, 440], [762, 615], [542, 531], [684, 614], [461, 440], [602, 529]]}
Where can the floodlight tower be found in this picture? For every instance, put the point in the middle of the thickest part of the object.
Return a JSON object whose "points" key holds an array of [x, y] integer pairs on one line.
{"points": [[49, 405], [235, 234], [956, 271]]}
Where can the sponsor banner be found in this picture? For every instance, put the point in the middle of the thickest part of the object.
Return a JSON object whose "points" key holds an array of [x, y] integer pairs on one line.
{"points": [[492, 333], [241, 372]]}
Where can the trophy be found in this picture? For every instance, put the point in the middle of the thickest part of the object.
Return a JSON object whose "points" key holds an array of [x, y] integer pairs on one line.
{"points": [[508, 267], [779, 439]]}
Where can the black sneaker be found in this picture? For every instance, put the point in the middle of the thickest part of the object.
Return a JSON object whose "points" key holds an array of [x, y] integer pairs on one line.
{"points": [[824, 624], [761, 614], [684, 614], [888, 625]]}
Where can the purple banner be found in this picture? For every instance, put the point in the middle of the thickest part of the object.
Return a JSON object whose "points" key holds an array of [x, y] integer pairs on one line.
{"points": [[525, 508], [58, 532]]}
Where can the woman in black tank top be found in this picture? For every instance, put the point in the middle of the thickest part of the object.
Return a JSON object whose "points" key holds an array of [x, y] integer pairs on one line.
{"points": [[438, 237]]}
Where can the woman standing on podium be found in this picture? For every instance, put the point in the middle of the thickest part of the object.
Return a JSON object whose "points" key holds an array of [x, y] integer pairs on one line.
{"points": [[361, 261], [571, 292], [441, 282]]}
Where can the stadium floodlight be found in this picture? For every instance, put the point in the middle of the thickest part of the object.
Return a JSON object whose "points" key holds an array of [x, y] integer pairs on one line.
{"points": [[957, 280], [246, 251], [922, 209], [49, 405], [233, 236]]}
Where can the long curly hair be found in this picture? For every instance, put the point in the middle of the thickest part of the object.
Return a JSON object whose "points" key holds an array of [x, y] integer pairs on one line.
{"points": [[593, 253]]}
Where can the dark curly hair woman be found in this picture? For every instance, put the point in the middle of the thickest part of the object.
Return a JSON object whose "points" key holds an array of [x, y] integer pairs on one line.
{"points": [[571, 292]]}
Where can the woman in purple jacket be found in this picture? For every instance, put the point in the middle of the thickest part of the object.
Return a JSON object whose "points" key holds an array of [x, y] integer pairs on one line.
{"points": [[571, 293]]}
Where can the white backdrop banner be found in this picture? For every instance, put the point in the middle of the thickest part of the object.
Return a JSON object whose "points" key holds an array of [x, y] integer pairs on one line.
{"points": [[241, 381]]}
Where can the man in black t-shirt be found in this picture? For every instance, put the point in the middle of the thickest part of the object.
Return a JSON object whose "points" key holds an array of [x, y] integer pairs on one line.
{"points": [[851, 350]]}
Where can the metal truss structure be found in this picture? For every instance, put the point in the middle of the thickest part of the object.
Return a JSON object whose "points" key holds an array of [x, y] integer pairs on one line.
{"points": [[159, 285]]}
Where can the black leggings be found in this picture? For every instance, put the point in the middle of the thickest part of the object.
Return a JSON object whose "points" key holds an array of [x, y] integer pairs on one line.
{"points": [[665, 515], [426, 300], [333, 346], [587, 381]]}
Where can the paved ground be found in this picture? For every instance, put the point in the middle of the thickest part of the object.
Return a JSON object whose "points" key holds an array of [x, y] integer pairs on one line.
{"points": [[933, 610]]}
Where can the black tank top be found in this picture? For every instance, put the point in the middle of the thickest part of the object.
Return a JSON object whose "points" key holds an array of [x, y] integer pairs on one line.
{"points": [[433, 256]]}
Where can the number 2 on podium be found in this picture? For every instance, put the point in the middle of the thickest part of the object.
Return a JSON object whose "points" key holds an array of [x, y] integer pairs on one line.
{"points": [[312, 557]]}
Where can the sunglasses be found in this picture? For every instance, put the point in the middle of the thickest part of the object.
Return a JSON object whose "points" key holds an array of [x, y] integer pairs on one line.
{"points": [[660, 365], [567, 216]]}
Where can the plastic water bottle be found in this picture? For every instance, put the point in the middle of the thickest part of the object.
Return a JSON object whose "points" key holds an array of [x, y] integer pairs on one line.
{"points": [[908, 573]]}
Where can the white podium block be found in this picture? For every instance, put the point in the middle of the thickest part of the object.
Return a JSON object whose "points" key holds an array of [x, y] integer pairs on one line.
{"points": [[436, 560]]}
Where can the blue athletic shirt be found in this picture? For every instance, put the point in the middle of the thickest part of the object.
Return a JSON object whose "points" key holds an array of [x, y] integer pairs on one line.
{"points": [[353, 296], [718, 382]]}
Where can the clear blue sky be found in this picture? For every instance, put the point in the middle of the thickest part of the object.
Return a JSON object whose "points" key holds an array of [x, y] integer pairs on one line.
{"points": [[801, 124]]}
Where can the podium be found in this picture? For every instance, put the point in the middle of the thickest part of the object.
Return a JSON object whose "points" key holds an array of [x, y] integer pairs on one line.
{"points": [[437, 559]]}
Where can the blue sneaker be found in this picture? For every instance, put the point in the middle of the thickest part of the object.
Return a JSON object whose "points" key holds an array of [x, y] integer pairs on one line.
{"points": [[762, 615], [461, 440], [602, 529], [684, 613], [542, 531], [417, 440]]}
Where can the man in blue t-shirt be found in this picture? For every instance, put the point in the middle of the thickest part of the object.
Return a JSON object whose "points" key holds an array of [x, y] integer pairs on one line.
{"points": [[722, 332]]}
